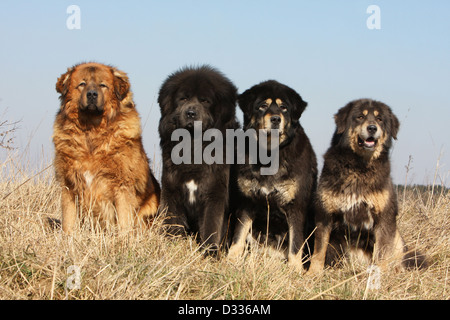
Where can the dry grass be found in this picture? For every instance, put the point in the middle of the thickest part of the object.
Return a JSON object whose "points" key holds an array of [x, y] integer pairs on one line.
{"points": [[35, 261]]}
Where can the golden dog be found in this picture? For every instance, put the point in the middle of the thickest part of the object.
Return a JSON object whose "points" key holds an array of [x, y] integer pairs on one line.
{"points": [[100, 161]]}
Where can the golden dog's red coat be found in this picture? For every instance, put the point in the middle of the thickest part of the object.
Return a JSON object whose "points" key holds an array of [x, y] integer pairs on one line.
{"points": [[100, 161]]}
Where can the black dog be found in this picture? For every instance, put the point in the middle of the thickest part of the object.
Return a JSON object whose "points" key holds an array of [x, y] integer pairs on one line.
{"points": [[195, 195], [275, 207]]}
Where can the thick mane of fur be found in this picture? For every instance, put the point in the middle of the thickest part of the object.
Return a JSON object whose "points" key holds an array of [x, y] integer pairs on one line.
{"points": [[356, 205], [289, 192], [99, 156], [202, 190]]}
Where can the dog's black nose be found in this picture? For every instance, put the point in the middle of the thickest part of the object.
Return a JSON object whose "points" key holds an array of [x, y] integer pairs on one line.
{"points": [[372, 129], [191, 114], [275, 119], [92, 94]]}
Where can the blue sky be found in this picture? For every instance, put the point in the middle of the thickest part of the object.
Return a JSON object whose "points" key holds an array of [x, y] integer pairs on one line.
{"points": [[323, 49]]}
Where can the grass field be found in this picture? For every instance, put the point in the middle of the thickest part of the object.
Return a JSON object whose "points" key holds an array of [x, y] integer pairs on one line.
{"points": [[38, 262]]}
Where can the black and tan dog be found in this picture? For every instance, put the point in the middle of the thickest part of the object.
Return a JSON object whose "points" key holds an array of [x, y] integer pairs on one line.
{"points": [[356, 201], [274, 207]]}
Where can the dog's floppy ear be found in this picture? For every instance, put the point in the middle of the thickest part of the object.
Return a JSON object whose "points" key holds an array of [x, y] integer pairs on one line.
{"points": [[392, 122], [245, 101], [227, 95], [62, 85], [166, 92], [395, 125], [121, 84], [299, 104], [341, 117]]}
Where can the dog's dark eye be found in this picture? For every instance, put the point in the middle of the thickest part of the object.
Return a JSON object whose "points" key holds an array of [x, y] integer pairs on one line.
{"points": [[102, 85], [283, 107], [263, 106], [204, 101], [361, 117], [379, 119], [183, 99], [82, 84]]}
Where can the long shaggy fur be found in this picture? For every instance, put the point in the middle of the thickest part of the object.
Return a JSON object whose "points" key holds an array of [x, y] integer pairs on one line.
{"points": [[195, 197], [275, 207], [356, 201], [100, 161]]}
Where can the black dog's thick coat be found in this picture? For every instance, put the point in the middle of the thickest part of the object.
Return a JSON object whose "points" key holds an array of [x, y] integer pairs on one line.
{"points": [[356, 201], [286, 196], [195, 196]]}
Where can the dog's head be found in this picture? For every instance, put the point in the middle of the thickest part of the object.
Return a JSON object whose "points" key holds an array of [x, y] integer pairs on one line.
{"points": [[91, 90], [198, 94], [272, 105], [366, 126]]}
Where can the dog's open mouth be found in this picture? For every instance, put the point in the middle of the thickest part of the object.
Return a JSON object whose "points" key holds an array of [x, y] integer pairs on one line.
{"points": [[369, 143]]}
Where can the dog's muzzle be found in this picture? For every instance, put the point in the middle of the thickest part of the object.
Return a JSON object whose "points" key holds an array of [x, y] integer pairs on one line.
{"points": [[369, 137], [92, 103]]}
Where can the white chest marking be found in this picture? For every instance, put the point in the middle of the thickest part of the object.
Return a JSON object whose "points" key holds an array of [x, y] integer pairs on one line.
{"points": [[88, 177], [192, 187], [264, 191]]}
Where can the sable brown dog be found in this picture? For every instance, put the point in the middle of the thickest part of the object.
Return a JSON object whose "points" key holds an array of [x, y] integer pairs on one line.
{"points": [[275, 207], [100, 162], [356, 200]]}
